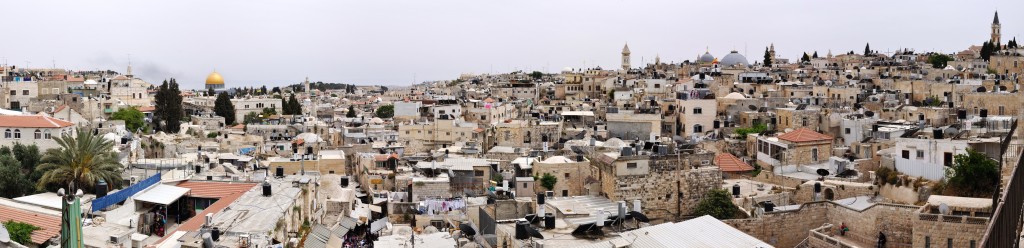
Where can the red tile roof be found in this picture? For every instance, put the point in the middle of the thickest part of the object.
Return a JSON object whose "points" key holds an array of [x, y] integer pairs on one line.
{"points": [[228, 192], [215, 190], [730, 163], [197, 222], [804, 135], [147, 109], [36, 121], [384, 157], [50, 224]]}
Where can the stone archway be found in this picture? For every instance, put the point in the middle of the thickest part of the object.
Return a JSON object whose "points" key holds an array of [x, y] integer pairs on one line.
{"points": [[829, 194]]}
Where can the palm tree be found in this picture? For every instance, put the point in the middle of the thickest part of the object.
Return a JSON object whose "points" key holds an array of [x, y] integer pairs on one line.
{"points": [[80, 162]]}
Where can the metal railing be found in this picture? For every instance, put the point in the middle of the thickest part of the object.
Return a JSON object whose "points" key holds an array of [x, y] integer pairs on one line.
{"points": [[1004, 228]]}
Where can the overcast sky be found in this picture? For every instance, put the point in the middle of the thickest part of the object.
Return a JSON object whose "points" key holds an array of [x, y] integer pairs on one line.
{"points": [[255, 43]]}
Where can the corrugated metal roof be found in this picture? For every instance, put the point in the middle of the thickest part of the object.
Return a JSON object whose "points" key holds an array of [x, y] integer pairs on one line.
{"points": [[704, 231]]}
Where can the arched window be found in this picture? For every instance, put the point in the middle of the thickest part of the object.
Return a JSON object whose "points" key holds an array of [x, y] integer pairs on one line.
{"points": [[7, 134], [17, 133], [698, 129], [38, 134]]}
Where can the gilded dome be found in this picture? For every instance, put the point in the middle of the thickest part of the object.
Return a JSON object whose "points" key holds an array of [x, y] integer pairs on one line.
{"points": [[214, 78]]}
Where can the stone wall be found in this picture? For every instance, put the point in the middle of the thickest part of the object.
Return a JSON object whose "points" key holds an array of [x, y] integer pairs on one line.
{"points": [[695, 185], [430, 189], [784, 228], [939, 230], [571, 176], [893, 220], [668, 191], [836, 189]]}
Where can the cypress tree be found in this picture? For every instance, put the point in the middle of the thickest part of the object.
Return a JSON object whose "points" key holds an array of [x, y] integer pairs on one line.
{"points": [[224, 108]]}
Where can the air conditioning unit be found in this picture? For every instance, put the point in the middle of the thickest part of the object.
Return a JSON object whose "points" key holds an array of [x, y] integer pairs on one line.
{"points": [[114, 239], [209, 220]]}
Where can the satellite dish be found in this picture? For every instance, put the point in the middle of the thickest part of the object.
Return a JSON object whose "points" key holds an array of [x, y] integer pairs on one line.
{"points": [[944, 209], [822, 172]]}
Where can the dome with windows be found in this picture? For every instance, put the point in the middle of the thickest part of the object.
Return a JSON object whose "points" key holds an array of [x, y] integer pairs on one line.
{"points": [[735, 58]]}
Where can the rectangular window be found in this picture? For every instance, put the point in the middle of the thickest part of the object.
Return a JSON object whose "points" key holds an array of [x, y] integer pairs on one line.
{"points": [[565, 193], [24, 92], [920, 154], [567, 175], [478, 173], [814, 154], [14, 92], [906, 154], [847, 130], [630, 165], [927, 242]]}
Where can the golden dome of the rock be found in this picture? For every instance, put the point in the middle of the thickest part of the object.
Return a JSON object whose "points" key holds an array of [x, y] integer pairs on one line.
{"points": [[214, 78]]}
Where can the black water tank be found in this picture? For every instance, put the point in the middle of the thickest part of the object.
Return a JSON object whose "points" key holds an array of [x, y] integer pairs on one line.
{"points": [[817, 187], [736, 190], [937, 133], [769, 206], [199, 168], [279, 173], [344, 182], [961, 114], [521, 232], [540, 198], [215, 234], [266, 189], [101, 189], [549, 221], [983, 113]]}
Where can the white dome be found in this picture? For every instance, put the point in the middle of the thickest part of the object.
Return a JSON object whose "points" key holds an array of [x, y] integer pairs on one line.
{"points": [[734, 58], [614, 143], [309, 137], [735, 95], [112, 137]]}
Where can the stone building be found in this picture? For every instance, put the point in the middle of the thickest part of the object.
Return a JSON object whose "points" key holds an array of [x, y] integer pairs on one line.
{"points": [[572, 174], [670, 185]]}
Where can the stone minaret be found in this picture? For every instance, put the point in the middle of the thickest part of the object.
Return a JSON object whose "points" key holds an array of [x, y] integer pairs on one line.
{"points": [[625, 57], [995, 30], [771, 52]]}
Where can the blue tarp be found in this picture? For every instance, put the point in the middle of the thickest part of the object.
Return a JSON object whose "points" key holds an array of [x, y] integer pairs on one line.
{"points": [[124, 194]]}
